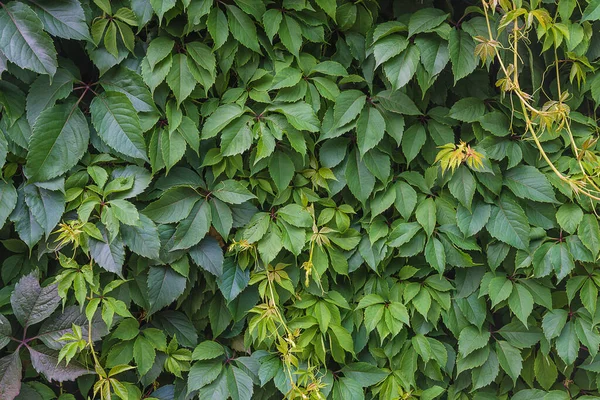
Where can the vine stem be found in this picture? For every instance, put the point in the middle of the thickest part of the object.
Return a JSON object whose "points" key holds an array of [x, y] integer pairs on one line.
{"points": [[526, 107]]}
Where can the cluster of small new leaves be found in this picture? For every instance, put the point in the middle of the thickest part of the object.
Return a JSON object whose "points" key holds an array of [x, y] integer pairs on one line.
{"points": [[310, 199]]}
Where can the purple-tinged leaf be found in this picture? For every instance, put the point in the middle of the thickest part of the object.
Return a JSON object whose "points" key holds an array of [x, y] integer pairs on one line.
{"points": [[32, 303]]}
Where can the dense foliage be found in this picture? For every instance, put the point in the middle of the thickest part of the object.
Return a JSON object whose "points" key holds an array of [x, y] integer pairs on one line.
{"points": [[302, 198]]}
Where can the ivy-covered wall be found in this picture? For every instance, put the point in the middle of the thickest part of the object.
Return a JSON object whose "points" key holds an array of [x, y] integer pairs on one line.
{"points": [[309, 199]]}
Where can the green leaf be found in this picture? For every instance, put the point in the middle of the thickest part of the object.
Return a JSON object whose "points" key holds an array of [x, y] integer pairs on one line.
{"points": [[158, 50], [499, 289], [143, 354], [471, 222], [365, 374], [486, 374], [406, 199], [219, 119], [567, 344], [413, 140], [471, 339], [426, 215], [469, 109], [462, 53], [520, 302], [508, 223], [554, 322], [23, 40], [233, 281], [63, 18], [118, 124], [232, 192], [403, 233], [172, 148], [424, 20], [300, 115], [164, 286], [203, 373], [193, 228], [161, 7], [44, 93], [528, 182], [388, 47], [569, 216], [242, 28], [510, 359], [360, 180], [329, 6], [46, 206], [400, 69], [174, 205], [370, 129], [239, 384], [295, 215], [348, 106], [8, 201], [59, 140], [592, 11], [434, 53], [207, 350], [435, 254], [129, 83], [217, 27], [208, 255], [180, 78], [142, 238], [462, 186], [290, 34], [589, 233], [545, 371]]}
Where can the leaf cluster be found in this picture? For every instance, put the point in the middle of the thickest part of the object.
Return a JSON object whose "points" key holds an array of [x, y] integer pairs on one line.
{"points": [[309, 199]]}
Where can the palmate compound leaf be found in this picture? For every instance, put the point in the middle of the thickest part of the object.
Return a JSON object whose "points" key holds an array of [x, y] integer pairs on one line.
{"points": [[59, 140]]}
